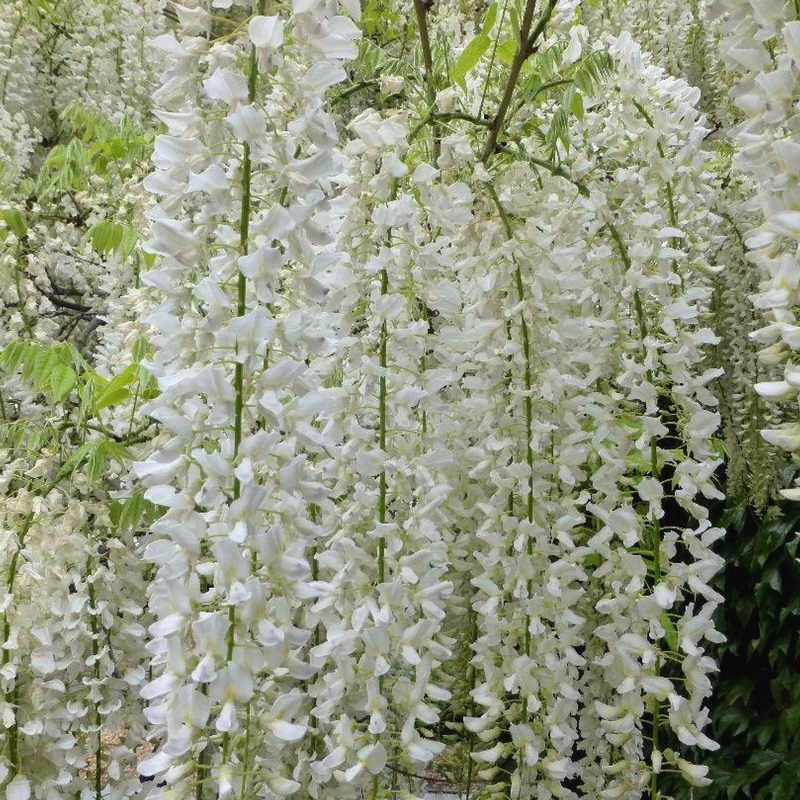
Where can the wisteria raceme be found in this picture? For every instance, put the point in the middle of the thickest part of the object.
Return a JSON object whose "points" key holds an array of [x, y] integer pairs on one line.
{"points": [[754, 466], [762, 48], [681, 38], [73, 582], [243, 351], [380, 574]]}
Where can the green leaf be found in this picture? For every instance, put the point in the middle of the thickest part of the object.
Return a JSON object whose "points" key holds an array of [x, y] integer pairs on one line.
{"points": [[790, 721], [15, 221], [116, 390], [96, 455], [576, 105], [114, 451], [37, 368], [134, 512], [469, 58], [558, 131], [506, 51], [670, 632], [130, 238], [13, 354], [490, 19], [88, 391], [77, 458], [106, 237], [514, 18], [760, 763], [131, 511], [62, 382], [141, 350]]}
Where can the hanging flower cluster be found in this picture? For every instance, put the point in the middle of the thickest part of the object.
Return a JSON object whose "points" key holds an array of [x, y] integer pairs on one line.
{"points": [[753, 468], [762, 47], [681, 38], [74, 586], [72, 634], [245, 350], [390, 417]]}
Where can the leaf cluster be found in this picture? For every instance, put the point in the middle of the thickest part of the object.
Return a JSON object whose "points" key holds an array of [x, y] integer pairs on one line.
{"points": [[75, 395], [756, 713]]}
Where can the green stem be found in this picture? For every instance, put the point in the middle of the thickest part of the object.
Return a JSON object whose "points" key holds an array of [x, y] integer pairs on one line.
{"points": [[12, 694], [21, 254], [241, 310], [421, 13], [655, 470], [382, 488], [12, 699], [525, 48], [516, 68], [97, 721], [354, 89], [553, 169], [246, 762], [528, 407], [492, 58], [383, 346], [443, 116]]}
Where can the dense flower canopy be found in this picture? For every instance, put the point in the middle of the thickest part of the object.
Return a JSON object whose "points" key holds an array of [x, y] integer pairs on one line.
{"points": [[370, 374]]}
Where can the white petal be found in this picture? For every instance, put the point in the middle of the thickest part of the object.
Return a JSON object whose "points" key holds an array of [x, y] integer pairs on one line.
{"points": [[159, 687], [785, 223], [155, 764], [695, 774], [665, 595], [248, 124], [18, 789], [265, 263], [193, 21], [787, 437], [352, 7], [169, 625], [266, 32], [777, 391], [226, 721], [212, 179], [424, 173], [303, 6], [268, 634], [287, 731], [283, 786], [228, 86], [671, 233], [490, 756]]}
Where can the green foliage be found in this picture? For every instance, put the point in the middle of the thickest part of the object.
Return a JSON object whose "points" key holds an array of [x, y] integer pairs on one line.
{"points": [[132, 513], [91, 147], [469, 58], [126, 143], [76, 394], [14, 221], [559, 92], [109, 237], [52, 371], [64, 170], [378, 19], [591, 70], [756, 714], [472, 53]]}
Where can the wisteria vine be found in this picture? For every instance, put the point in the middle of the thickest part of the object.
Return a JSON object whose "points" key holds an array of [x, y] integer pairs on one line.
{"points": [[388, 430]]}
